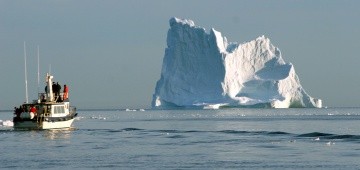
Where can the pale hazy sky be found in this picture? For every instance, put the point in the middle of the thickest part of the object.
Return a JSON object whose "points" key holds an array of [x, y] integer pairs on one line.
{"points": [[110, 52]]}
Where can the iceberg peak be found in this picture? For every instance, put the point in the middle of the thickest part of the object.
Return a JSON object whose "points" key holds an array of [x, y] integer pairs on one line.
{"points": [[175, 20], [203, 69], [260, 38]]}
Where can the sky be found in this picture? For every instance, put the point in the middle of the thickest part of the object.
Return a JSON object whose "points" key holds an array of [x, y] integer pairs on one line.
{"points": [[110, 52]]}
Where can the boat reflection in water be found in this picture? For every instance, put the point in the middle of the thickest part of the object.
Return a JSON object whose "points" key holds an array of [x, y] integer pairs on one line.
{"points": [[54, 134]]}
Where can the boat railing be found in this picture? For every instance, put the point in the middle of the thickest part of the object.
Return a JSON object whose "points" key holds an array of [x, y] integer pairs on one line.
{"points": [[42, 97]]}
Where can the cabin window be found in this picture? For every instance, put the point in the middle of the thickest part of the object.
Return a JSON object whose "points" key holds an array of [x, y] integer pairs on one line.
{"points": [[55, 110], [59, 109]]}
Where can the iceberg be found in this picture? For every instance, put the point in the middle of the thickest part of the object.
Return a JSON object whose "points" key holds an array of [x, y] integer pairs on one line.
{"points": [[202, 69]]}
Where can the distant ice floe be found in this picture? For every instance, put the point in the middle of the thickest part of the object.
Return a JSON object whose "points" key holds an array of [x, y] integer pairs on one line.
{"points": [[98, 117], [6, 123], [330, 143], [214, 106], [134, 110]]}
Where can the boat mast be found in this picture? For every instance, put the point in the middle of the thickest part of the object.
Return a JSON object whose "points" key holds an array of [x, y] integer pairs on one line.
{"points": [[26, 87], [38, 69]]}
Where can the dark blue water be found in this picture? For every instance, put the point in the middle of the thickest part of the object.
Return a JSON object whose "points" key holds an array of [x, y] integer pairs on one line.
{"points": [[191, 139]]}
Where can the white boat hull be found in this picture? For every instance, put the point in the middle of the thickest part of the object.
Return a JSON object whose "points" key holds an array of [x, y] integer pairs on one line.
{"points": [[57, 125], [47, 123]]}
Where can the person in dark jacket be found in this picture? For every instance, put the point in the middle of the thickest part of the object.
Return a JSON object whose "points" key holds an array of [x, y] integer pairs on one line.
{"points": [[54, 89], [58, 89]]}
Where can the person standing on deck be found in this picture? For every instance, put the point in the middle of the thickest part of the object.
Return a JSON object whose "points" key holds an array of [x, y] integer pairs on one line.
{"points": [[66, 91], [33, 112], [54, 89], [58, 89]]}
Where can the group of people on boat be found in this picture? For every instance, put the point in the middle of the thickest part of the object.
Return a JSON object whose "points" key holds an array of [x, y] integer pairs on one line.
{"points": [[56, 88], [25, 112]]}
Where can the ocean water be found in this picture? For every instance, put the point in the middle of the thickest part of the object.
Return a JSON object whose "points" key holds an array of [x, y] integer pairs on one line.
{"points": [[190, 139]]}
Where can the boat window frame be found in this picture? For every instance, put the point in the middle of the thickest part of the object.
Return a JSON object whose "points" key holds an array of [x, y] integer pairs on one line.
{"points": [[58, 109]]}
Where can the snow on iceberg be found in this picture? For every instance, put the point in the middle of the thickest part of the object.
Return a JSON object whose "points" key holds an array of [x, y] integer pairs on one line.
{"points": [[203, 69]]}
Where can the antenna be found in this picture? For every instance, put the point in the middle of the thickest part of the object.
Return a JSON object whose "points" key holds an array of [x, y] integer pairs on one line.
{"points": [[38, 73], [26, 87]]}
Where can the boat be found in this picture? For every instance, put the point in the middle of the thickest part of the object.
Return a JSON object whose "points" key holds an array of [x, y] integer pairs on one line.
{"points": [[51, 110]]}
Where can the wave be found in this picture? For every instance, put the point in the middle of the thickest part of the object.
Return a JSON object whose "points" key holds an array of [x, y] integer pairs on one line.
{"points": [[312, 135], [320, 135], [263, 133], [131, 129]]}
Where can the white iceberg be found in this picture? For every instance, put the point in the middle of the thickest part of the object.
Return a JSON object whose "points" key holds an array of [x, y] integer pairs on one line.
{"points": [[202, 69]]}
